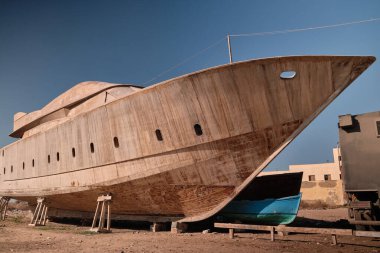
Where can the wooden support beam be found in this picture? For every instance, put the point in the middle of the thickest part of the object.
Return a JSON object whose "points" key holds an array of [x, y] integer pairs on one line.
{"points": [[3, 207], [231, 233], [178, 227], [331, 231], [374, 234], [364, 222], [158, 226], [40, 213], [104, 202], [272, 230]]}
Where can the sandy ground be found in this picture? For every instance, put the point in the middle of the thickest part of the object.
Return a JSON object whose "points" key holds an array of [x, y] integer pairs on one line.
{"points": [[16, 236]]}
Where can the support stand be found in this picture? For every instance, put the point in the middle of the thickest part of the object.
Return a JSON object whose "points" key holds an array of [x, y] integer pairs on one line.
{"points": [[178, 227], [3, 207], [40, 214], [105, 201], [158, 226]]}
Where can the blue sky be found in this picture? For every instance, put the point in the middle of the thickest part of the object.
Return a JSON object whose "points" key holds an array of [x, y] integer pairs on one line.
{"points": [[46, 47]]}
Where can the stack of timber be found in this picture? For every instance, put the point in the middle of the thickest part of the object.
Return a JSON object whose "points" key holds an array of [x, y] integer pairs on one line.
{"points": [[179, 150]]}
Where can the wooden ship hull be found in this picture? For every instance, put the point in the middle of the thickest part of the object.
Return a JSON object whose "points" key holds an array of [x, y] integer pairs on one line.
{"points": [[178, 150]]}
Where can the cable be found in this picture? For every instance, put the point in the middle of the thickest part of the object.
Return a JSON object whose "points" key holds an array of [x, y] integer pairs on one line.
{"points": [[184, 61], [259, 34], [303, 29]]}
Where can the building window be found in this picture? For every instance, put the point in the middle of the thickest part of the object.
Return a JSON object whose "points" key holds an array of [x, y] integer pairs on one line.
{"points": [[73, 152], [312, 178], [57, 156], [33, 163], [159, 135], [340, 176], [116, 142], [48, 158], [198, 129], [378, 127], [327, 177], [11, 168], [92, 147], [4, 170], [23, 165]]}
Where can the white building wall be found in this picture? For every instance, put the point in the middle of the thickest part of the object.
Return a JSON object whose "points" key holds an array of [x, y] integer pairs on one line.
{"points": [[319, 170]]}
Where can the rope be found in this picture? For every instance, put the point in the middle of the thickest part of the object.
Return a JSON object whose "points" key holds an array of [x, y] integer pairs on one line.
{"points": [[186, 60], [259, 34], [304, 29]]}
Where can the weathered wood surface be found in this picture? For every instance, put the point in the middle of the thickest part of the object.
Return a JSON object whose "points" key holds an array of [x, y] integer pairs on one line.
{"points": [[302, 230], [247, 113]]}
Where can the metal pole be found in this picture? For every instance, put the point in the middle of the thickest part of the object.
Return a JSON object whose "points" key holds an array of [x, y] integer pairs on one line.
{"points": [[229, 47]]}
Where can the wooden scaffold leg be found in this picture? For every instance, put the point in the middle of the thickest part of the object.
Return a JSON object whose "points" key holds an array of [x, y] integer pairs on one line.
{"points": [[40, 214], [103, 211], [3, 207]]}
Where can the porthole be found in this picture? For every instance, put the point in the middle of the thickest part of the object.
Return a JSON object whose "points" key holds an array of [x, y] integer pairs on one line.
{"points": [[288, 74], [33, 163], [73, 152], [23, 165], [198, 129], [159, 135], [11, 168], [116, 142], [57, 156], [92, 147], [48, 158]]}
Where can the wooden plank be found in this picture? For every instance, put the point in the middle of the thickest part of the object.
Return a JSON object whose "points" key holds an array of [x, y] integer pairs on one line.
{"points": [[243, 226], [374, 234], [361, 204], [231, 233], [364, 222], [303, 230]]}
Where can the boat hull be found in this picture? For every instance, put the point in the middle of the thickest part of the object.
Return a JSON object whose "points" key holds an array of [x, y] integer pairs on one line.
{"points": [[247, 115], [280, 211]]}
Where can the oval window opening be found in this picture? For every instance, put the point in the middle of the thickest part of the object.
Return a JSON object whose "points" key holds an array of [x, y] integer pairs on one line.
{"points": [[92, 148], [48, 158], [57, 156], [116, 142], [159, 135], [23, 165], [11, 168], [4, 170], [289, 74], [198, 129], [73, 152], [33, 163]]}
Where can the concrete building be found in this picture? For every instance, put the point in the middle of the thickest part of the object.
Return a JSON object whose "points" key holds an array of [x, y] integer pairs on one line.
{"points": [[320, 171], [321, 182]]}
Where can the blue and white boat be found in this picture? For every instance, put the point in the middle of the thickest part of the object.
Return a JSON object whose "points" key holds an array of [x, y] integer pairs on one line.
{"points": [[267, 211], [271, 199]]}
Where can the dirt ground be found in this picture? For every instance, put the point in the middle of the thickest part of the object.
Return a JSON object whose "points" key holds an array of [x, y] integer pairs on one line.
{"points": [[16, 236]]}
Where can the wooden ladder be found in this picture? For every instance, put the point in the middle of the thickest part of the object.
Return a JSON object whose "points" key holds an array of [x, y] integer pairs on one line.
{"points": [[3, 207], [40, 214], [105, 201]]}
